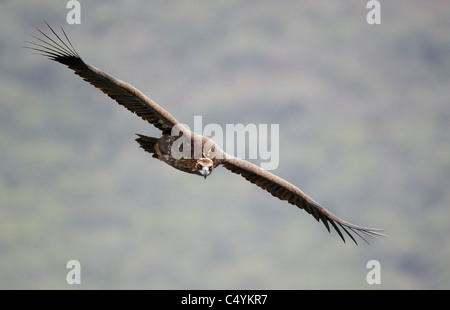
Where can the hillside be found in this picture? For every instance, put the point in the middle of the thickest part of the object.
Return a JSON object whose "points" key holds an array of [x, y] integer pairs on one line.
{"points": [[364, 119]]}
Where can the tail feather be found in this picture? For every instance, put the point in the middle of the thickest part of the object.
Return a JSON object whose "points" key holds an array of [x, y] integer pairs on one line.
{"points": [[147, 143]]}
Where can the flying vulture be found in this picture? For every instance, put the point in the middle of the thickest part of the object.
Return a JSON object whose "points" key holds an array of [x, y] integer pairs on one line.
{"points": [[204, 158]]}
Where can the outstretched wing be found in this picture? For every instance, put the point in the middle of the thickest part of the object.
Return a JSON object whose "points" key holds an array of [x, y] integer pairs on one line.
{"points": [[284, 190], [60, 49]]}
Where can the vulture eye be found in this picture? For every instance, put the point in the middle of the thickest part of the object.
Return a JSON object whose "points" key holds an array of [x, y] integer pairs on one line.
{"points": [[199, 167]]}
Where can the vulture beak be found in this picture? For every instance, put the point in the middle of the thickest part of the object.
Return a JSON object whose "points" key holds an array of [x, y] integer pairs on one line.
{"points": [[205, 172]]}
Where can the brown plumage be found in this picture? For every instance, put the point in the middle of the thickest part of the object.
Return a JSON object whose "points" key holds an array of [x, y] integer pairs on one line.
{"points": [[203, 159]]}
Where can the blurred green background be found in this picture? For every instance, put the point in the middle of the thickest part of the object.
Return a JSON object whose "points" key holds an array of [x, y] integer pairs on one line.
{"points": [[364, 130]]}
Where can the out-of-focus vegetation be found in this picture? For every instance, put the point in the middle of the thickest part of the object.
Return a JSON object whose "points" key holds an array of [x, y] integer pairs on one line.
{"points": [[364, 118]]}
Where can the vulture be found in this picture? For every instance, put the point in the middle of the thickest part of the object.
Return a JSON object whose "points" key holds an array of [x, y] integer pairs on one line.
{"points": [[178, 146]]}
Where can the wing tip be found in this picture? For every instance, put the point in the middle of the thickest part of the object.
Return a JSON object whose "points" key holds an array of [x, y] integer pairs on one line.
{"points": [[349, 228]]}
